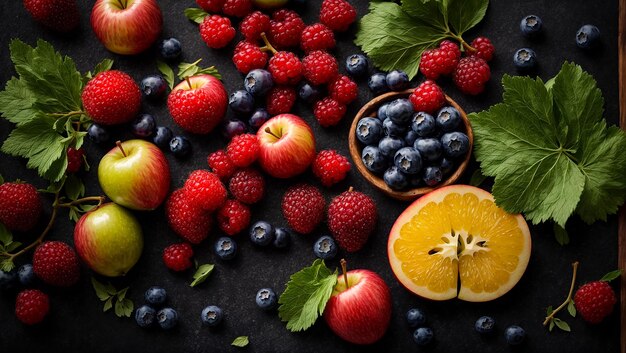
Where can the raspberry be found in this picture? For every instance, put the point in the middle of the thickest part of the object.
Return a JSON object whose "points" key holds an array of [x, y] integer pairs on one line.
{"points": [[427, 97], [484, 48], [286, 68], [233, 217], [59, 15], [247, 186], [216, 31], [303, 207], [74, 159], [471, 75], [286, 28], [319, 67], [253, 25], [248, 57], [280, 100], [237, 8], [440, 61], [211, 6], [205, 190], [20, 206], [191, 223], [337, 15], [243, 150], [56, 264], [329, 112], [317, 37], [31, 306], [112, 97], [177, 257], [343, 89], [595, 301], [330, 167], [352, 219], [221, 165]]}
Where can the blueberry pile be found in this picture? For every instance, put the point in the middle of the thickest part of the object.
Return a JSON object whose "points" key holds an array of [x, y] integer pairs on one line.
{"points": [[263, 234], [23, 276], [416, 319], [147, 315], [411, 149]]}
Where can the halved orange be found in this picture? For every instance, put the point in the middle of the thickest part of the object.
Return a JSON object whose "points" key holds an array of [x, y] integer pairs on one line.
{"points": [[455, 242]]}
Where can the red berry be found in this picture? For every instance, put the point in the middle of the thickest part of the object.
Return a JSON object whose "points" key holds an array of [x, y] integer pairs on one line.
{"points": [[330, 167], [233, 217], [247, 186], [112, 97], [237, 8], [31, 306], [319, 67], [74, 159], [216, 31], [343, 89], [221, 165], [248, 57], [286, 68], [20, 206], [303, 207], [352, 219], [177, 257], [280, 100], [59, 15], [253, 25], [317, 37], [211, 6], [329, 112], [471, 75], [337, 15], [484, 48], [56, 264], [205, 190], [190, 222], [594, 301], [243, 150], [286, 28], [440, 61], [427, 97]]}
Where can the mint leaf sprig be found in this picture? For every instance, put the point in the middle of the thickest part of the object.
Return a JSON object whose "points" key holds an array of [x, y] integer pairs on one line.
{"points": [[112, 297]]}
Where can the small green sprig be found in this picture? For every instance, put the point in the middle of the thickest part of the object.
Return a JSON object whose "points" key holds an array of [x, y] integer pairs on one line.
{"points": [[112, 297], [551, 320], [240, 341]]}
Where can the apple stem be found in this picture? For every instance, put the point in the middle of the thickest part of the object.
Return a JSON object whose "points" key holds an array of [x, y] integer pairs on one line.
{"points": [[344, 269], [188, 82], [267, 129], [121, 4], [350, 189], [119, 145], [268, 45]]}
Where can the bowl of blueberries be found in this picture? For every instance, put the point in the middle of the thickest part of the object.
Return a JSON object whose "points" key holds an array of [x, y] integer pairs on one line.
{"points": [[406, 153]]}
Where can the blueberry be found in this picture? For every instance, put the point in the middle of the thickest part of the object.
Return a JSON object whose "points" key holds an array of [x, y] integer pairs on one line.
{"points": [[525, 59], [282, 238], [97, 133], [388, 146], [446, 166], [309, 94], [514, 335], [241, 102], [155, 296], [423, 336], [392, 129], [374, 161], [226, 248], [258, 118], [408, 160], [258, 82], [377, 84], [432, 175], [8, 280], [429, 148], [423, 124], [397, 80], [162, 137], [357, 65], [154, 86], [211, 316], [145, 316], [180, 146], [395, 179], [167, 318], [26, 275], [369, 130], [233, 127], [143, 126], [325, 248], [484, 324], [400, 111], [266, 298], [410, 137], [448, 119], [455, 144], [170, 48], [261, 233], [530, 25], [381, 113], [587, 37], [415, 317]]}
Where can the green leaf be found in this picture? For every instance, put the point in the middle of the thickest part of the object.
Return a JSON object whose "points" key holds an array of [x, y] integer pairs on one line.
{"points": [[549, 310], [306, 295], [571, 308], [202, 274], [104, 65], [12, 246], [195, 14], [167, 72], [240, 341], [119, 309], [432, 12], [108, 304], [16, 102], [127, 307], [86, 207], [611, 276], [7, 265], [477, 178], [101, 290], [74, 187], [192, 69], [465, 14], [551, 325], [6, 237], [122, 293], [562, 325], [560, 234], [110, 289]]}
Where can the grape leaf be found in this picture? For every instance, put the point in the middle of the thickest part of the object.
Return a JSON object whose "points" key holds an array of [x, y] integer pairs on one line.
{"points": [[240, 341]]}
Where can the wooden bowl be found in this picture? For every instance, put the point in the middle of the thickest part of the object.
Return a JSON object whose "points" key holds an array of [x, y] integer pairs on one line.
{"points": [[356, 147]]}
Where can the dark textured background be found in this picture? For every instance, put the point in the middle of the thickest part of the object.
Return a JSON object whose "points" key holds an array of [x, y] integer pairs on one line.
{"points": [[77, 322]]}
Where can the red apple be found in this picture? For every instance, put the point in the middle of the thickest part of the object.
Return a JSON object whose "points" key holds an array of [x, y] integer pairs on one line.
{"points": [[359, 312], [198, 104], [126, 26], [287, 146]]}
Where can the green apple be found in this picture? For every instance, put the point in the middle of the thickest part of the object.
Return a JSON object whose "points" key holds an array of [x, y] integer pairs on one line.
{"points": [[269, 4]]}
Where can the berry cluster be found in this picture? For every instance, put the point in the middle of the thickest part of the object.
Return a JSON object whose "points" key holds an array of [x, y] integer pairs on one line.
{"points": [[154, 313], [263, 234]]}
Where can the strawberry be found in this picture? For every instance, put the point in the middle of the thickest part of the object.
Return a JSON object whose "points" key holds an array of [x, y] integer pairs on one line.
{"points": [[20, 206], [56, 264], [111, 97], [59, 15], [303, 207], [190, 222], [595, 301], [352, 218]]}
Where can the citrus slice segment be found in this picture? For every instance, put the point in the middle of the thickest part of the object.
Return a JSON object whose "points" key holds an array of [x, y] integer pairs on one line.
{"points": [[455, 242]]}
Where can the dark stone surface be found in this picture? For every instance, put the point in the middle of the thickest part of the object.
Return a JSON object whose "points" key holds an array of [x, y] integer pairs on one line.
{"points": [[77, 322]]}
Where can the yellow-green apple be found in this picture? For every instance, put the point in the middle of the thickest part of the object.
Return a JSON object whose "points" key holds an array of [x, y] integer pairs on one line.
{"points": [[109, 240], [126, 27], [198, 104], [287, 146], [135, 174], [269, 4]]}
